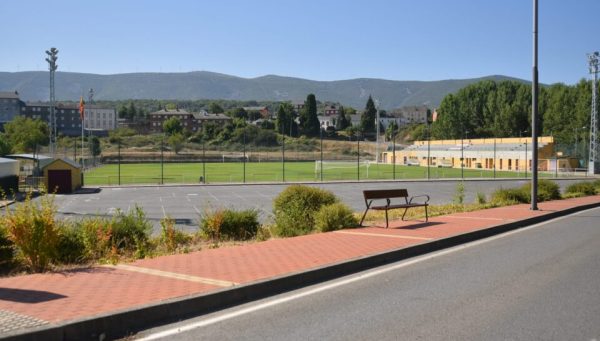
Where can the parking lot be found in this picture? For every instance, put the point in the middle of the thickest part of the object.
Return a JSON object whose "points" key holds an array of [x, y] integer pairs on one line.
{"points": [[186, 204]]}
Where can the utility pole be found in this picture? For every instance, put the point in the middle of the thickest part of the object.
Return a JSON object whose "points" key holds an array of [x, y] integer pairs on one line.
{"points": [[594, 161], [52, 66]]}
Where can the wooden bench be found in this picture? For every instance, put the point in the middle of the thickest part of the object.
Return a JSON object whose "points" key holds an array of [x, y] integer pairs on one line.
{"points": [[387, 195]]}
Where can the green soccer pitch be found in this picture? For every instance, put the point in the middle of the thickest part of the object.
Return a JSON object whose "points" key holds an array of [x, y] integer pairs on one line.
{"points": [[233, 172]]}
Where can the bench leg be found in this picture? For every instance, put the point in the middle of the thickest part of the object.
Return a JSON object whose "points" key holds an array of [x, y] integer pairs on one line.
{"points": [[386, 219], [426, 216], [363, 217], [403, 214]]}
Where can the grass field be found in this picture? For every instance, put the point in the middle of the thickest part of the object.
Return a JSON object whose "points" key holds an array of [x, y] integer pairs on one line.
{"points": [[233, 172]]}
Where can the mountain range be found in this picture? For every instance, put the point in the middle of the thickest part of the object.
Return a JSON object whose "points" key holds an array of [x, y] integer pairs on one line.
{"points": [[34, 85]]}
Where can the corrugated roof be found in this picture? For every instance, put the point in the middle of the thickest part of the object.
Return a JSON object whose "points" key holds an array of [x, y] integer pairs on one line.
{"points": [[5, 160]]}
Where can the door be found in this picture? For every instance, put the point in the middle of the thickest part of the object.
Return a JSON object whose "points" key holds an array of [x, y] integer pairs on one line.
{"points": [[59, 180]]}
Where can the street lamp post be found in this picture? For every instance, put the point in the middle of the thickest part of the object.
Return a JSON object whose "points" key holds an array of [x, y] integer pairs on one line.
{"points": [[534, 111]]}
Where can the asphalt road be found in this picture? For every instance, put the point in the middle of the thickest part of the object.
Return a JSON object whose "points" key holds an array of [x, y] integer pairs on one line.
{"points": [[185, 204], [539, 283]]}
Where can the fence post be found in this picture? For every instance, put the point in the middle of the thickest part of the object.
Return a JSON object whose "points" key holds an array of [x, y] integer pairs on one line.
{"points": [[119, 161]]}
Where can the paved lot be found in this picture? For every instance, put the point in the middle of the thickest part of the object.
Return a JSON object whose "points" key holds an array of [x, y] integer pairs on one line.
{"points": [[185, 204]]}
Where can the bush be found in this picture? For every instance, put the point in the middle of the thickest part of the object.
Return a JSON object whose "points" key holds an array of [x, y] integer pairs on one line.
{"points": [[96, 237], [71, 248], [585, 188], [510, 196], [34, 231], [226, 224], [171, 237], [335, 217], [547, 190], [131, 231], [295, 209], [480, 198], [7, 251], [459, 194]]}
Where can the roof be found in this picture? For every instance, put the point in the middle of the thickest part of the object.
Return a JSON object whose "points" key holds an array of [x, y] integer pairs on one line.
{"points": [[65, 160], [9, 94], [255, 108], [207, 116], [171, 112], [29, 156], [6, 160]]}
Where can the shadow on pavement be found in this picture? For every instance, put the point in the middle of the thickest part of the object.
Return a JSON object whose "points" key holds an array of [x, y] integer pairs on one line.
{"points": [[27, 296]]}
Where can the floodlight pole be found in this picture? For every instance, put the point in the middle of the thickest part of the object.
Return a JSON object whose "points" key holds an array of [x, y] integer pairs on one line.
{"points": [[52, 66], [321, 131], [534, 112]]}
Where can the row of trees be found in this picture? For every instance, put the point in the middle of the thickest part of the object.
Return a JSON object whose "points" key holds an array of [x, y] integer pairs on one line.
{"points": [[503, 109]]}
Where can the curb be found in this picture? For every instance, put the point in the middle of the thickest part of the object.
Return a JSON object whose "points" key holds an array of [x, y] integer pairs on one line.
{"points": [[127, 322]]}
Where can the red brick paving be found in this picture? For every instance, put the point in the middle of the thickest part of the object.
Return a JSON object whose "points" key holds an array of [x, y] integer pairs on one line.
{"points": [[59, 297]]}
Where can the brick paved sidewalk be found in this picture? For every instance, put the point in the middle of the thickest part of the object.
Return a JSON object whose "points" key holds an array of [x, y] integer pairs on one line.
{"points": [[53, 298]]}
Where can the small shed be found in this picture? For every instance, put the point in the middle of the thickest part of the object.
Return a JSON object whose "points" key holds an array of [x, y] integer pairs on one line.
{"points": [[9, 175], [61, 175]]}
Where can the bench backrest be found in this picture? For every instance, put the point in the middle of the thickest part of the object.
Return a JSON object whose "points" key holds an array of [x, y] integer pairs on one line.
{"points": [[385, 193]]}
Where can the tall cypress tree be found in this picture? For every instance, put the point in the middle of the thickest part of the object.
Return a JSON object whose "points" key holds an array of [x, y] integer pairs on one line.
{"points": [[309, 122], [367, 120]]}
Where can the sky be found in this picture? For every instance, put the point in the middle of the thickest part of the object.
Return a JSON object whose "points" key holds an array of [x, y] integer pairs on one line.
{"points": [[313, 39]]}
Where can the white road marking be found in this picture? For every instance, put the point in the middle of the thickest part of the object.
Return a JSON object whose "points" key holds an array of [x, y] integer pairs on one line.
{"points": [[196, 209], [342, 282], [164, 212]]}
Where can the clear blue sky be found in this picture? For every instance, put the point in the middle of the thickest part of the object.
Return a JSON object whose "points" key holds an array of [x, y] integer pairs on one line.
{"points": [[314, 39]]}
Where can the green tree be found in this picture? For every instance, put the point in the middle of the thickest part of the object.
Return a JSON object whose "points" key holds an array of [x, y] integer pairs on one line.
{"points": [[285, 123], [369, 116], [25, 134], [343, 121], [176, 142], [309, 122], [5, 147], [215, 108], [95, 148], [172, 126], [238, 113], [391, 131]]}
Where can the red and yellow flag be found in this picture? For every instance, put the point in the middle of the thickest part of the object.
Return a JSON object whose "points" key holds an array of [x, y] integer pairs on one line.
{"points": [[81, 108]]}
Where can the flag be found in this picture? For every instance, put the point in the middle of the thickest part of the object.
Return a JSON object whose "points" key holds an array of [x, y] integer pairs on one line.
{"points": [[81, 108]]}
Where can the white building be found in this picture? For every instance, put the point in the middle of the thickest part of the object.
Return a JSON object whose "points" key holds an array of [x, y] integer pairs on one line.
{"points": [[98, 118]]}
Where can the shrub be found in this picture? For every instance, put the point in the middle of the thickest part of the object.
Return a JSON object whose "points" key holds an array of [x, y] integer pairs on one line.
{"points": [[7, 251], [171, 237], [34, 231], [459, 194], [71, 248], [96, 236], [547, 190], [334, 217], [585, 188], [131, 231], [510, 196], [295, 209], [226, 224], [480, 198]]}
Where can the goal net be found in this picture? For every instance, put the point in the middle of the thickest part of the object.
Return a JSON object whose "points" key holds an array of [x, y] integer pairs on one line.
{"points": [[321, 166], [236, 157]]}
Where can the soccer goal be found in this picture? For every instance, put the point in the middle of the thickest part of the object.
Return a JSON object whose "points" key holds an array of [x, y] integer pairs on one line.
{"points": [[236, 157], [322, 166]]}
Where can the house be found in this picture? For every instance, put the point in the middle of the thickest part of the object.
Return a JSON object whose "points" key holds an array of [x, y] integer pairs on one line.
{"points": [[411, 114], [298, 105], [331, 110], [192, 121], [327, 121]]}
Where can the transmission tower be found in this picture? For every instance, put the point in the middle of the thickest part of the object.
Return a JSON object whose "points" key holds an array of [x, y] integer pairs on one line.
{"points": [[52, 68], [594, 161]]}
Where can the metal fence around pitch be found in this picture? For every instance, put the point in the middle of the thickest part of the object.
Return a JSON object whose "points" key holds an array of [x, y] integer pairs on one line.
{"points": [[289, 160]]}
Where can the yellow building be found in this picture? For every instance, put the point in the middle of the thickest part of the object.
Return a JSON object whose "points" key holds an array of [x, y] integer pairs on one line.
{"points": [[506, 154], [61, 175]]}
